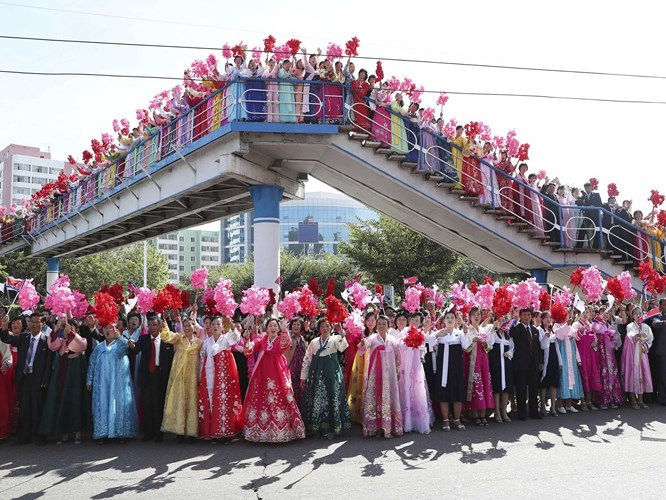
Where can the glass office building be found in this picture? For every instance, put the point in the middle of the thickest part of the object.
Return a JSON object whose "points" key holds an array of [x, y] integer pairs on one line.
{"points": [[311, 226]]}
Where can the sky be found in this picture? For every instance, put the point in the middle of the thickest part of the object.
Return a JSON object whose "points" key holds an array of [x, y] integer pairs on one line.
{"points": [[573, 140]]}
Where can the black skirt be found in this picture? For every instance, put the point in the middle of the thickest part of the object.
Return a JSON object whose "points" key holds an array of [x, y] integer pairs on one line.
{"points": [[429, 369], [241, 365], [455, 390], [496, 370], [552, 378]]}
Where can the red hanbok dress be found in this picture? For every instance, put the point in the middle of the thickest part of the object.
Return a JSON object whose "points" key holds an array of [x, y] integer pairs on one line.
{"points": [[506, 185], [7, 396], [361, 111], [476, 369], [220, 406], [199, 116], [589, 361], [471, 176], [270, 412]]}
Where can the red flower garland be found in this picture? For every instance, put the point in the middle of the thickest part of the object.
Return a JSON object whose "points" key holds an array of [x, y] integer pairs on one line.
{"points": [[656, 198], [474, 287], [115, 291], [544, 301], [185, 299], [577, 276], [351, 47], [379, 289], [559, 313], [595, 183], [105, 308], [615, 288], [308, 303], [313, 285], [162, 301], [523, 152], [612, 190], [174, 297], [269, 43], [293, 45], [414, 338], [271, 298], [502, 301], [661, 219], [379, 71], [330, 287], [335, 309]]}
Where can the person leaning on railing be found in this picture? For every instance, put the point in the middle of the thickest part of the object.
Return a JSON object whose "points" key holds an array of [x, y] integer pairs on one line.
{"points": [[589, 224]]}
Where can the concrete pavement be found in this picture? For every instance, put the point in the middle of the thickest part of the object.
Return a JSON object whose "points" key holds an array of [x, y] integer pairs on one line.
{"points": [[609, 453]]}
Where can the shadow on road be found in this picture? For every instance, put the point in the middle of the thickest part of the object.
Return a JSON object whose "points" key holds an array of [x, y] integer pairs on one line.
{"points": [[161, 462]]}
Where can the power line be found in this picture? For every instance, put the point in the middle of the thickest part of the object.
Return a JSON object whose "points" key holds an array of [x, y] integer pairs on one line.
{"points": [[488, 94], [391, 59]]}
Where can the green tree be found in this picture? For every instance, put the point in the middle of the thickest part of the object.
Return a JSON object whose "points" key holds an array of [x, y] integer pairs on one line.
{"points": [[388, 251], [90, 272], [296, 270]]}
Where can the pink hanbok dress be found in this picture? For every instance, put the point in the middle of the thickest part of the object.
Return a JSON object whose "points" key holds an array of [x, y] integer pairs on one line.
{"points": [[381, 410], [417, 412], [636, 377], [272, 102], [586, 342], [476, 369], [608, 340]]}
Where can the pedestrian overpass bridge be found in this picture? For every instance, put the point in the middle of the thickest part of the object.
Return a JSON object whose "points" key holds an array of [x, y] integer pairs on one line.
{"points": [[204, 166]]}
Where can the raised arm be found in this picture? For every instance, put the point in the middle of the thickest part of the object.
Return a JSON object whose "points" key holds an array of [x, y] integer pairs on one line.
{"points": [[307, 359], [167, 335]]}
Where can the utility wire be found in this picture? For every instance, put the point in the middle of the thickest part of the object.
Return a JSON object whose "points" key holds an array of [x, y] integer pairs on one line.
{"points": [[391, 59], [489, 94]]}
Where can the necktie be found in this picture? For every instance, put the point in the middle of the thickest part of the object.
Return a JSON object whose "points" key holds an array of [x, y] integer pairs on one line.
{"points": [[151, 364], [529, 337], [28, 361]]}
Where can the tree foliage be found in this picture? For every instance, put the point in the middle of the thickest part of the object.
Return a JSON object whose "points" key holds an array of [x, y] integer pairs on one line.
{"points": [[90, 272]]}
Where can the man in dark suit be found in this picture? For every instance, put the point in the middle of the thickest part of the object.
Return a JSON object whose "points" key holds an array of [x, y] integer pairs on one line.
{"points": [[658, 350], [33, 369], [527, 363], [586, 233], [154, 369], [551, 216]]}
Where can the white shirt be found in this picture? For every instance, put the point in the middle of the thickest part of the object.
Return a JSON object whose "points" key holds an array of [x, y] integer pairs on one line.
{"points": [[157, 341]]}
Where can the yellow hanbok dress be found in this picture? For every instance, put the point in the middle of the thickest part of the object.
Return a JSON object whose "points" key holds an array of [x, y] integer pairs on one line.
{"points": [[458, 155], [180, 405], [398, 132], [357, 386], [656, 246]]}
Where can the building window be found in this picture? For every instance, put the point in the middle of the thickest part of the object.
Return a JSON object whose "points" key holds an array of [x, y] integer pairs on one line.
{"points": [[192, 258], [182, 268], [181, 258], [22, 166], [39, 180], [54, 170], [192, 239], [191, 249], [40, 169], [20, 190], [21, 178], [180, 238], [173, 267]]}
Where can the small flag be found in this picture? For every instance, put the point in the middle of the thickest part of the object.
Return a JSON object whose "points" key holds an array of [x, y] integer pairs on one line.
{"points": [[14, 284], [410, 281], [279, 280], [133, 288], [579, 304], [649, 314], [357, 278]]}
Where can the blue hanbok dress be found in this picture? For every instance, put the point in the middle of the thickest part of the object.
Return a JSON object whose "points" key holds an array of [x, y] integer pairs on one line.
{"points": [[234, 109], [412, 124], [428, 158], [113, 405], [447, 167], [571, 385], [286, 97], [254, 100]]}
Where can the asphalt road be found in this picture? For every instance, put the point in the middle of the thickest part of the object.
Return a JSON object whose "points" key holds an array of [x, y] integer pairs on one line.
{"points": [[604, 454]]}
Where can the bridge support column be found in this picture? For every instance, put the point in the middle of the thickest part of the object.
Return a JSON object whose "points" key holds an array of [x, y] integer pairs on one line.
{"points": [[541, 275], [52, 270], [266, 199]]}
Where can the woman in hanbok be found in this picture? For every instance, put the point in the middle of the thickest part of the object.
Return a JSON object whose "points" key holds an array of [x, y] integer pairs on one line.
{"points": [[220, 405], [505, 185], [272, 99], [360, 89], [197, 115], [608, 341], [215, 107], [415, 402], [443, 151], [16, 326], [356, 367], [295, 355], [476, 368], [522, 200], [286, 93], [398, 133], [312, 105], [571, 385], [333, 99], [298, 70], [181, 412], [636, 376], [471, 171], [430, 354], [113, 404], [641, 244], [490, 195], [325, 411], [6, 405], [237, 87], [270, 412], [451, 390], [381, 411], [381, 120], [254, 99], [428, 158], [501, 373], [535, 215], [65, 407], [413, 131], [549, 379], [586, 342], [567, 214]]}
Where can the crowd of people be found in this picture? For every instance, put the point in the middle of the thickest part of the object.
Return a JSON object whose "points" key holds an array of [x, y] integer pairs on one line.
{"points": [[288, 84], [321, 365]]}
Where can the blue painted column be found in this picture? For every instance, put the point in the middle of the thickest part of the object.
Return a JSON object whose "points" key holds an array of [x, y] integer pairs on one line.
{"points": [[52, 270], [266, 199], [541, 275]]}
